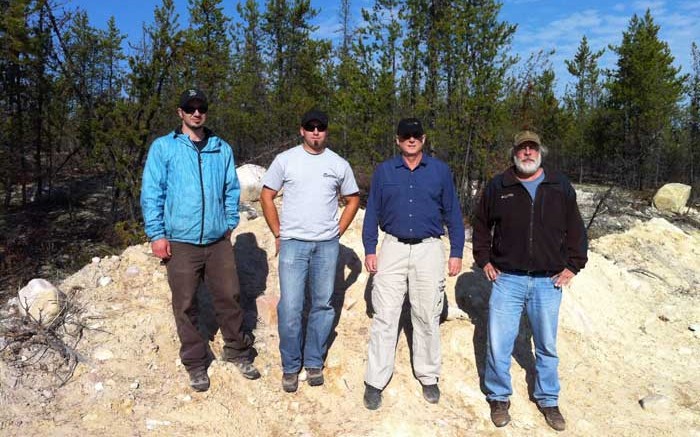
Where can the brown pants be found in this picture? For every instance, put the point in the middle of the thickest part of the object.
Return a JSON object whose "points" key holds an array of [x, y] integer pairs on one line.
{"points": [[214, 263]]}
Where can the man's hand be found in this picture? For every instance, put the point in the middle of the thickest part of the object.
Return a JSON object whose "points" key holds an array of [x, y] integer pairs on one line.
{"points": [[491, 272], [371, 263], [278, 241], [161, 248], [563, 278], [454, 266]]}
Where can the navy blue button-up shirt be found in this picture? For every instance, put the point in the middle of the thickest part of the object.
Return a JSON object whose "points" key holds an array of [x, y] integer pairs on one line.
{"points": [[414, 203]]}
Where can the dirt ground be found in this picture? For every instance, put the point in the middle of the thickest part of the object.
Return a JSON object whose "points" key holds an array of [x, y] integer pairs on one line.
{"points": [[624, 336]]}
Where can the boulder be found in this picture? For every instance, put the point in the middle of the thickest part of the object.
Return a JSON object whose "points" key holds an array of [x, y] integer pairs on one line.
{"points": [[41, 300], [672, 198], [250, 178]]}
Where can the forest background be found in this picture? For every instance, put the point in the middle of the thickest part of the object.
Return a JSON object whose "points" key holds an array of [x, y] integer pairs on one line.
{"points": [[77, 108]]}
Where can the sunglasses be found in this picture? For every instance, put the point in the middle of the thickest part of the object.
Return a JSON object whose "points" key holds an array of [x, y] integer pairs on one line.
{"points": [[311, 126], [190, 109], [409, 136]]}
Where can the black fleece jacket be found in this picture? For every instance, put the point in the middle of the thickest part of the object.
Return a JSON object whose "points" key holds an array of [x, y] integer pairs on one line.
{"points": [[541, 235]]}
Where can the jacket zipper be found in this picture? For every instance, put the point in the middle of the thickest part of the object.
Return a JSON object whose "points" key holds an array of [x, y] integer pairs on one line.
{"points": [[531, 236], [201, 186]]}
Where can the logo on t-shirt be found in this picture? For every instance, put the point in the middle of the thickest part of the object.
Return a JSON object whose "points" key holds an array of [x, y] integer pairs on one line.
{"points": [[329, 175]]}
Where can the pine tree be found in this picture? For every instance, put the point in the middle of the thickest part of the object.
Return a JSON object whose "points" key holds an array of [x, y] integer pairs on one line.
{"points": [[645, 91]]}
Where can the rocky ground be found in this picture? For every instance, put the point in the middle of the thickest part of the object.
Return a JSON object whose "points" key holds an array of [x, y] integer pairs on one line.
{"points": [[629, 355]]}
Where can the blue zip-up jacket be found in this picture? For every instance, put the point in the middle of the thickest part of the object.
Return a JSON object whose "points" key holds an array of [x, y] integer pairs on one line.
{"points": [[188, 195]]}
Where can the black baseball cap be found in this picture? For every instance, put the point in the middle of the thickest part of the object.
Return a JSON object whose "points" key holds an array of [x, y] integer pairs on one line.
{"points": [[315, 115], [192, 94], [409, 127]]}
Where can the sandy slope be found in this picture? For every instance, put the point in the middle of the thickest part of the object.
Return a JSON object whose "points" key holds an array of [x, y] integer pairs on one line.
{"points": [[624, 335]]}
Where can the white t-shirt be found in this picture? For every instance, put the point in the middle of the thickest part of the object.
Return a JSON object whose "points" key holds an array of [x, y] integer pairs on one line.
{"points": [[311, 185]]}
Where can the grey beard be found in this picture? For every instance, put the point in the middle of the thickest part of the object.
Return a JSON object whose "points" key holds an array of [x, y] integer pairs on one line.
{"points": [[527, 168]]}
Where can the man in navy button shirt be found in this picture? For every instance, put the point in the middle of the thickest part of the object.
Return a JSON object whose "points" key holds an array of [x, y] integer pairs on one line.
{"points": [[412, 198]]}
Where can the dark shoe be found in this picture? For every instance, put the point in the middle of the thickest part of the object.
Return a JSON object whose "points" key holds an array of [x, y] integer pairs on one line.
{"points": [[554, 418], [372, 398], [290, 382], [314, 376], [246, 367], [199, 380], [499, 413], [431, 393]]}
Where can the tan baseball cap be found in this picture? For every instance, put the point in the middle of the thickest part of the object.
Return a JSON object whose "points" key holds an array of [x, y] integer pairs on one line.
{"points": [[525, 136]]}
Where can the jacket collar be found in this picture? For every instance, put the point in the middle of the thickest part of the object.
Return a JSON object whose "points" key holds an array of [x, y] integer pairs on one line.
{"points": [[399, 162], [209, 134]]}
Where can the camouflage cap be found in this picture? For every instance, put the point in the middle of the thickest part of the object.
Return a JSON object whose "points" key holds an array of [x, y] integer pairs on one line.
{"points": [[525, 136]]}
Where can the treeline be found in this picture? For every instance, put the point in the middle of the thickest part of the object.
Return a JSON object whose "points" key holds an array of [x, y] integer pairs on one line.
{"points": [[74, 102]]}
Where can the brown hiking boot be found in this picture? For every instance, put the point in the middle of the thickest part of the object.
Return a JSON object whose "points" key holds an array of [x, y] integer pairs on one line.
{"points": [[554, 418], [290, 382], [314, 376], [499, 413], [199, 380]]}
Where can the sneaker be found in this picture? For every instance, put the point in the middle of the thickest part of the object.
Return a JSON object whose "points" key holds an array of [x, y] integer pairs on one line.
{"points": [[199, 380], [246, 367], [314, 376], [431, 393], [290, 382], [554, 418], [372, 398], [499, 413]]}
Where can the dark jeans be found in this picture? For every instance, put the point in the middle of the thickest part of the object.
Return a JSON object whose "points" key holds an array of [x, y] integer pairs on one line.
{"points": [[214, 263]]}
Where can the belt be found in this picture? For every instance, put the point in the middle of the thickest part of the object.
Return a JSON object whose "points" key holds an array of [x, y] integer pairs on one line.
{"points": [[533, 273], [411, 240]]}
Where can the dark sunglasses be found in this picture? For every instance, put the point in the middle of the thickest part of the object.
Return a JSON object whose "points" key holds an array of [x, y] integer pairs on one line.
{"points": [[311, 126], [409, 136], [190, 109]]}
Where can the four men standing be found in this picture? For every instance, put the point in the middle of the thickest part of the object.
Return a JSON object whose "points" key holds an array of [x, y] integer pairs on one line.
{"points": [[528, 238]]}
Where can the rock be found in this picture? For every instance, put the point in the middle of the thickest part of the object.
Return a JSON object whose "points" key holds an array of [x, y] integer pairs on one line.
{"points": [[250, 178], [454, 313], [672, 198], [96, 260], [41, 300], [152, 424], [134, 385], [99, 386], [104, 281], [102, 354], [695, 327], [655, 402], [267, 309], [132, 271]]}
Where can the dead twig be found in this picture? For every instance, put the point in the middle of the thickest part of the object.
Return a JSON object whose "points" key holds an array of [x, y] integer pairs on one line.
{"points": [[602, 200]]}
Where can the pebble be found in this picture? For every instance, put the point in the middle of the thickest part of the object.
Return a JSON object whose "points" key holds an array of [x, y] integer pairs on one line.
{"points": [[152, 424], [105, 280], [132, 271], [134, 385], [655, 402], [99, 386], [695, 327], [187, 398], [102, 354], [96, 260]]}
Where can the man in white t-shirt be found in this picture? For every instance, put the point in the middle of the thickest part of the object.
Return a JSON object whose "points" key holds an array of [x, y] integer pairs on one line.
{"points": [[307, 236]]}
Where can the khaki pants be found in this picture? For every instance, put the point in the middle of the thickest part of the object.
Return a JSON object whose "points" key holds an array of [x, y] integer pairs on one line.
{"points": [[418, 269]]}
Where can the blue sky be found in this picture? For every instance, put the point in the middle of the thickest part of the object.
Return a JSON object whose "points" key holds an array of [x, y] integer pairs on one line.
{"points": [[542, 24]]}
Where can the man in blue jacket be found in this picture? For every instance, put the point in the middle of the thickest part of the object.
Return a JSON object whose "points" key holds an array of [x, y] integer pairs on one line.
{"points": [[412, 198], [189, 199]]}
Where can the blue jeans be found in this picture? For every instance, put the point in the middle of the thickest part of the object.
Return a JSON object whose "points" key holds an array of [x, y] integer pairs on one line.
{"points": [[299, 262], [540, 299]]}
